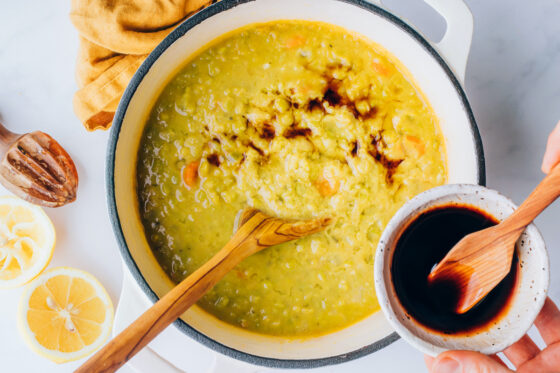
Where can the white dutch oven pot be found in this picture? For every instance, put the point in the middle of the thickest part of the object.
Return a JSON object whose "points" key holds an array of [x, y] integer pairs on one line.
{"points": [[438, 70]]}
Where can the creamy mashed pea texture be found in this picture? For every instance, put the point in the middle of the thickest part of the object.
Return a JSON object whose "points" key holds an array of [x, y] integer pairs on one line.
{"points": [[299, 120]]}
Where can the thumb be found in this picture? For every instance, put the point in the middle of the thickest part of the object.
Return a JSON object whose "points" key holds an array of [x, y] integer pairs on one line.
{"points": [[466, 362]]}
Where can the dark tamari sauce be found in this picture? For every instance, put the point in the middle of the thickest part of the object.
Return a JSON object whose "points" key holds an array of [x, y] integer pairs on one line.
{"points": [[420, 247]]}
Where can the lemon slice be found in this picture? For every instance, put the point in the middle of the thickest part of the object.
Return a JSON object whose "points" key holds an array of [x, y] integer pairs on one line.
{"points": [[26, 241], [65, 314]]}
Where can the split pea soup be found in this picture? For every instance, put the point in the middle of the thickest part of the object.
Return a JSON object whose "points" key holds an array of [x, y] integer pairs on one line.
{"points": [[299, 120]]}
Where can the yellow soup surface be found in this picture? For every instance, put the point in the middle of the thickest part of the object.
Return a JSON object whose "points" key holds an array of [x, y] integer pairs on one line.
{"points": [[300, 120]]}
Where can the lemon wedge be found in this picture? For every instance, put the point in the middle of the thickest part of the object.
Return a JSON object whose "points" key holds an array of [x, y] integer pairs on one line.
{"points": [[65, 314], [27, 240]]}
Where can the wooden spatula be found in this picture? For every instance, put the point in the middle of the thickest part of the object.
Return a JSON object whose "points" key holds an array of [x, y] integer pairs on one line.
{"points": [[256, 232], [36, 168], [482, 259]]}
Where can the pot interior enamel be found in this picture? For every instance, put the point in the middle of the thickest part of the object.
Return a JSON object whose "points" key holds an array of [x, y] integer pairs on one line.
{"points": [[464, 158]]}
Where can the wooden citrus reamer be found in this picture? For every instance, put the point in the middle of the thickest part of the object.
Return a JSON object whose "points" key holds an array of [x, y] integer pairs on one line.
{"points": [[478, 262], [36, 168], [256, 232]]}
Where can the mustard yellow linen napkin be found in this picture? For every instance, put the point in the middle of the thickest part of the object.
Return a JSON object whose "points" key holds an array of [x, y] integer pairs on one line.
{"points": [[115, 37]]}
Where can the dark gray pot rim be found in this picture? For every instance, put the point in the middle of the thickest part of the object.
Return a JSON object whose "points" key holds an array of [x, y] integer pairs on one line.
{"points": [[114, 217]]}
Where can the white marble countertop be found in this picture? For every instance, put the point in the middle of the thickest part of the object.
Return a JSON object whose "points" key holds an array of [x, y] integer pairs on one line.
{"points": [[513, 83]]}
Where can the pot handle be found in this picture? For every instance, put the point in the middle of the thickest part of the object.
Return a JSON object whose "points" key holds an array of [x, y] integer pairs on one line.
{"points": [[456, 43]]}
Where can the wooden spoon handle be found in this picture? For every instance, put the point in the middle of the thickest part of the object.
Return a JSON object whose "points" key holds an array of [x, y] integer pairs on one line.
{"points": [[136, 336], [257, 232], [542, 196]]}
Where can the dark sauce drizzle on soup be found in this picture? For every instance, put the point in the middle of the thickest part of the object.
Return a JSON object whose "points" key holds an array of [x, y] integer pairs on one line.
{"points": [[421, 246]]}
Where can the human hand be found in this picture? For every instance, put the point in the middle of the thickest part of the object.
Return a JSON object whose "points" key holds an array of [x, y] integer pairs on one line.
{"points": [[524, 354], [552, 153]]}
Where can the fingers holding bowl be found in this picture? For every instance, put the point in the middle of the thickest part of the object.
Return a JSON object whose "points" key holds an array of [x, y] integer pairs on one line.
{"points": [[548, 361], [522, 351], [466, 361], [548, 322]]}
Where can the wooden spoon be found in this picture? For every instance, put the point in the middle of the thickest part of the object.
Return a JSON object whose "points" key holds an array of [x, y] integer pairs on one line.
{"points": [[256, 232], [36, 168], [482, 259]]}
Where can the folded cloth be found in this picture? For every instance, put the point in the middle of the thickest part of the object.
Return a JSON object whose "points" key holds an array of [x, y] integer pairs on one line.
{"points": [[115, 37]]}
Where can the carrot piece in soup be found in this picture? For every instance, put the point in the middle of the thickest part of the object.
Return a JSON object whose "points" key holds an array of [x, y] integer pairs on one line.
{"points": [[326, 187], [190, 173], [295, 41], [380, 68], [415, 144]]}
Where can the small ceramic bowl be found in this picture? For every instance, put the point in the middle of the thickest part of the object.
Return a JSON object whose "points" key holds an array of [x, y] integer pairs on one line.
{"points": [[529, 292]]}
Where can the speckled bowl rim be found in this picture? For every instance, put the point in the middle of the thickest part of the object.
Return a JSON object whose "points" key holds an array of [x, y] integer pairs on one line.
{"points": [[404, 216], [181, 30]]}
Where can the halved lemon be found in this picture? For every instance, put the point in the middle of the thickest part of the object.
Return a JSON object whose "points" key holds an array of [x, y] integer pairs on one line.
{"points": [[65, 314], [27, 240]]}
